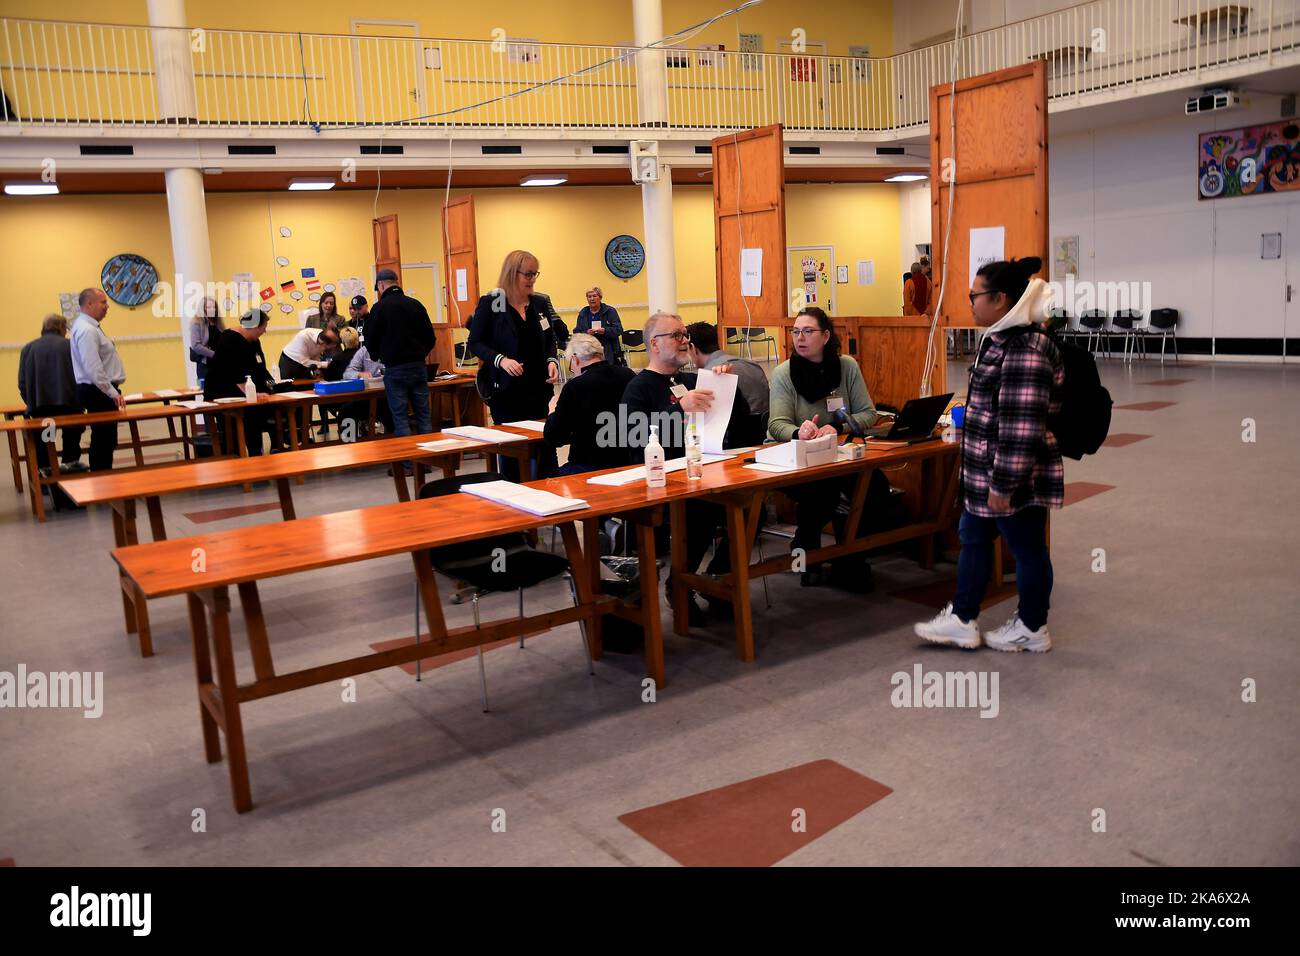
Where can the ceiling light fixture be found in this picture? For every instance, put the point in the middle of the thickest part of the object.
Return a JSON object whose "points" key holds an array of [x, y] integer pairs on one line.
{"points": [[31, 189], [310, 184], [546, 179]]}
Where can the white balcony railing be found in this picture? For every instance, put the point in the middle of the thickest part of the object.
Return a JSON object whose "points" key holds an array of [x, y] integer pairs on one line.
{"points": [[70, 75]]}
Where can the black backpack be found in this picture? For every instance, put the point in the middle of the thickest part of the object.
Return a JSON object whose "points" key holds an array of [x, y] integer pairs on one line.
{"points": [[1084, 419]]}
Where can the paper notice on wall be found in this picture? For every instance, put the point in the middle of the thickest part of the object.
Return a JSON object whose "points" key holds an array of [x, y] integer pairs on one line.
{"points": [[462, 285], [245, 287], [751, 272], [349, 287], [866, 272], [68, 306], [986, 245]]}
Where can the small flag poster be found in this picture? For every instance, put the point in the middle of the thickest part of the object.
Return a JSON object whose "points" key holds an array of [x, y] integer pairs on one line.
{"points": [[267, 293], [287, 286]]}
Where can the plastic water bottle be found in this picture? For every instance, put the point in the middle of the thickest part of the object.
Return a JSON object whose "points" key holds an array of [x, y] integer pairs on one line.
{"points": [[654, 461], [694, 456], [250, 390]]}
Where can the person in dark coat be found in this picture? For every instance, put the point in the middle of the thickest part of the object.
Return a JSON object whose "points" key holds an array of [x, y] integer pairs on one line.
{"points": [[48, 388], [591, 396]]}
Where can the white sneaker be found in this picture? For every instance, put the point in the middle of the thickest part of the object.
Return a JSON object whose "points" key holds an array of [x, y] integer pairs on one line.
{"points": [[1014, 636], [947, 628]]}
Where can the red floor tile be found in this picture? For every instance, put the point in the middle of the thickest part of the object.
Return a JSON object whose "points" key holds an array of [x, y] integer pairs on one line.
{"points": [[221, 514], [1167, 381], [1076, 491], [1145, 406], [751, 823], [8, 861], [1120, 439]]}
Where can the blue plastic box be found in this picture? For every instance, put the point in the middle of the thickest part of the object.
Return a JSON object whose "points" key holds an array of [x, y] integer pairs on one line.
{"points": [[333, 388]]}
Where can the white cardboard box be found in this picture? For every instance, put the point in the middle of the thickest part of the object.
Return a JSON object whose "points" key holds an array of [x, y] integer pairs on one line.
{"points": [[799, 454]]}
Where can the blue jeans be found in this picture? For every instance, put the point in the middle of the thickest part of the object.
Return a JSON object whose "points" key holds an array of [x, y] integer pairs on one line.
{"points": [[408, 383], [1025, 534]]}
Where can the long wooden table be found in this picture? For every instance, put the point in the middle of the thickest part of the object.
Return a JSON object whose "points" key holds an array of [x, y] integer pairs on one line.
{"points": [[296, 407], [123, 489], [245, 556]]}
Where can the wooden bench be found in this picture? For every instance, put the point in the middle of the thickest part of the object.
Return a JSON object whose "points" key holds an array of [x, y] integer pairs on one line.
{"points": [[122, 489], [203, 568]]}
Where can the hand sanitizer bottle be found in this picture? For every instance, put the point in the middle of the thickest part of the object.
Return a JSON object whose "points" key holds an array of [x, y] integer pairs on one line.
{"points": [[654, 461], [250, 390], [694, 456]]}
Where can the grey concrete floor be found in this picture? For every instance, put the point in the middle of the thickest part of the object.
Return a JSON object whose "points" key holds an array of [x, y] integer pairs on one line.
{"points": [[1137, 711]]}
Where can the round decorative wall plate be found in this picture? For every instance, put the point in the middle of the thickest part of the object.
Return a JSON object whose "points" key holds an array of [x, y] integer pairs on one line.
{"points": [[128, 279], [624, 256]]}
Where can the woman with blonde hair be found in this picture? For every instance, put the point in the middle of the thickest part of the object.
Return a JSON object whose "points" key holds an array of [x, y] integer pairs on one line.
{"points": [[513, 339], [205, 328]]}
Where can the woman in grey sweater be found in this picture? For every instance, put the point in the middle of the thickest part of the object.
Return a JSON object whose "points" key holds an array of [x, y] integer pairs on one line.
{"points": [[205, 329], [820, 392]]}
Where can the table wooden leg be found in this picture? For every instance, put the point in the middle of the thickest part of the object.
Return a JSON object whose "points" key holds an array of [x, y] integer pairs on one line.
{"points": [[15, 459], [399, 480], [134, 428], [131, 536], [203, 677], [241, 442], [429, 595], [736, 526], [34, 488], [154, 507], [651, 619], [187, 439], [255, 626], [127, 589], [286, 498], [677, 549], [585, 566], [228, 687]]}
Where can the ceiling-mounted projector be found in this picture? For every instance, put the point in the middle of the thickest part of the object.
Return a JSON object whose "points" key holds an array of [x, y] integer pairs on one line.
{"points": [[1212, 100]]}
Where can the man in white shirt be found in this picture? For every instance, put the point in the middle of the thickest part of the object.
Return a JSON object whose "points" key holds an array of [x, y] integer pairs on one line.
{"points": [[305, 351], [99, 373]]}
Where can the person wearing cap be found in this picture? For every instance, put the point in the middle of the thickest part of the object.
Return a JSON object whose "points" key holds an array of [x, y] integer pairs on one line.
{"points": [[358, 312], [237, 357], [399, 334], [99, 373]]}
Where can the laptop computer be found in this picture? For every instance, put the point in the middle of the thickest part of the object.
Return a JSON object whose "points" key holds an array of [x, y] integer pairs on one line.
{"points": [[915, 422]]}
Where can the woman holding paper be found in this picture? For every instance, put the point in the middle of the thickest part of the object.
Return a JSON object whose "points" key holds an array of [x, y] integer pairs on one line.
{"points": [[513, 339], [601, 320], [820, 392]]}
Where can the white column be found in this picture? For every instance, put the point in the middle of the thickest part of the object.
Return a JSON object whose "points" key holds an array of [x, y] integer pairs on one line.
{"points": [[660, 251], [191, 249], [656, 198], [171, 42]]}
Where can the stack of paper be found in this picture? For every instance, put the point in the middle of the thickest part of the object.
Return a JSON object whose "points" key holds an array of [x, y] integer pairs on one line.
{"points": [[530, 426], [630, 475], [532, 500], [477, 433], [167, 393], [445, 444], [198, 403], [297, 394]]}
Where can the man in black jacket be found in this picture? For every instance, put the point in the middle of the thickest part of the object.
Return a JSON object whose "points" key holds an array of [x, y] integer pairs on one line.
{"points": [[238, 356], [48, 387], [399, 334], [596, 390]]}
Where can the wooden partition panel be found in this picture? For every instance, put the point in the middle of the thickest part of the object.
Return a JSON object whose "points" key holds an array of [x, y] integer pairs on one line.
{"points": [[749, 213], [388, 250], [1000, 168], [891, 354], [461, 252]]}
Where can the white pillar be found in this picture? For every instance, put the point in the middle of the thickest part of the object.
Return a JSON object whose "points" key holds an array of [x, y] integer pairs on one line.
{"points": [[660, 251], [191, 249], [656, 198], [173, 46]]}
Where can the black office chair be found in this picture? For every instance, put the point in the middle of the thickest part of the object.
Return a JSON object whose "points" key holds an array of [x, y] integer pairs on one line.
{"points": [[1058, 322], [633, 341], [464, 356], [477, 563], [1164, 323], [1093, 323], [1126, 323]]}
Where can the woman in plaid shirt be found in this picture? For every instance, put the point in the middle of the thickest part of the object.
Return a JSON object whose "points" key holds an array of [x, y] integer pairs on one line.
{"points": [[1011, 468]]}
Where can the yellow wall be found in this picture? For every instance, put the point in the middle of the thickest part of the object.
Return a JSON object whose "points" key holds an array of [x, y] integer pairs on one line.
{"points": [[65, 241]]}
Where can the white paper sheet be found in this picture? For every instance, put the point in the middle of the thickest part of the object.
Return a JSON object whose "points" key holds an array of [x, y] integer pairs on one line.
{"points": [[532, 500], [986, 245], [197, 404], [167, 393], [477, 433], [866, 272], [531, 426], [133, 397], [751, 272], [462, 285], [775, 469], [445, 444], [297, 394], [712, 425]]}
